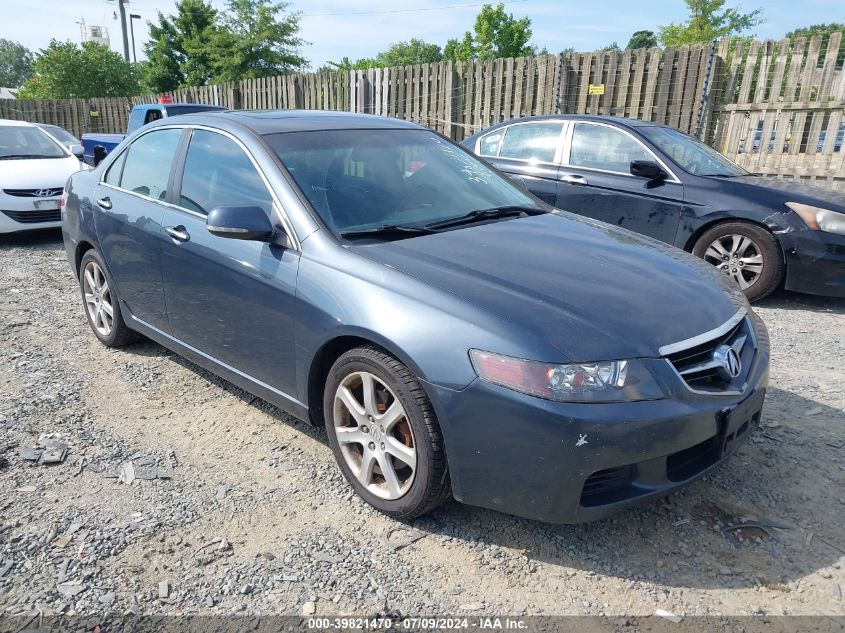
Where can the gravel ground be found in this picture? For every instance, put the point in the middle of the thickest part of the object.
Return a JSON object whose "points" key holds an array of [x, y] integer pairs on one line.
{"points": [[182, 494]]}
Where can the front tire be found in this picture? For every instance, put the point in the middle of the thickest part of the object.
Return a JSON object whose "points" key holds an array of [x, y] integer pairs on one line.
{"points": [[100, 301], [747, 253], [384, 435]]}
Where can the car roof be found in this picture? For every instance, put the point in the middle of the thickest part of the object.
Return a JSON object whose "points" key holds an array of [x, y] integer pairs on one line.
{"points": [[597, 118], [281, 121], [15, 123]]}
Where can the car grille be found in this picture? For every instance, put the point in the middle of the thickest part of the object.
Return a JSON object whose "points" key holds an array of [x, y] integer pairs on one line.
{"points": [[699, 369], [31, 217], [45, 192]]}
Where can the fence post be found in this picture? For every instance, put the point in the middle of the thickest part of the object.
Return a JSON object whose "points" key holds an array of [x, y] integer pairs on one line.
{"points": [[705, 92]]}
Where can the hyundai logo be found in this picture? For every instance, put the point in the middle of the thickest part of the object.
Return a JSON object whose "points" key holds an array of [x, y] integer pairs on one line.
{"points": [[45, 193], [727, 362]]}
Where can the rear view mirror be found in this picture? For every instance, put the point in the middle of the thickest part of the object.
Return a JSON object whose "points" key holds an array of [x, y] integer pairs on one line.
{"points": [[647, 169], [77, 150], [247, 222]]}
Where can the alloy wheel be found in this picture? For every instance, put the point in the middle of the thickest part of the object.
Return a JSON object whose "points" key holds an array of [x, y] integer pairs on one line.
{"points": [[737, 256], [375, 437], [98, 298]]}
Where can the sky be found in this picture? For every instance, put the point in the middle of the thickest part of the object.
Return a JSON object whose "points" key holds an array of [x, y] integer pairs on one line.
{"points": [[362, 28]]}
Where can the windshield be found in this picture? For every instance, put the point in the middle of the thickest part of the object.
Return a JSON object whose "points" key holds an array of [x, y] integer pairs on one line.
{"points": [[60, 134], [691, 155], [359, 180], [21, 142]]}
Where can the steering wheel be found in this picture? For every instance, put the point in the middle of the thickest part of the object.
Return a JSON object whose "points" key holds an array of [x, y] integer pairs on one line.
{"points": [[419, 196], [348, 203]]}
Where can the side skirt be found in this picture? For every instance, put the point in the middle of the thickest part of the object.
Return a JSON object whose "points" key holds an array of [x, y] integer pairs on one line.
{"points": [[246, 382]]}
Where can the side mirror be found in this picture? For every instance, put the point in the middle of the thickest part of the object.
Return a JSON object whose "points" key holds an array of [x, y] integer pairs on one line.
{"points": [[247, 222], [647, 169], [519, 181], [99, 154], [77, 150]]}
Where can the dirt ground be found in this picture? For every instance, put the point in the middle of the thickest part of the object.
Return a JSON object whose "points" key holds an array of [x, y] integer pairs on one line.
{"points": [[247, 512]]}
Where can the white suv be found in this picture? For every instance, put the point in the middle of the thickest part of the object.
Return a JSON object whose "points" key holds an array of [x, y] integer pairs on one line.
{"points": [[34, 168]]}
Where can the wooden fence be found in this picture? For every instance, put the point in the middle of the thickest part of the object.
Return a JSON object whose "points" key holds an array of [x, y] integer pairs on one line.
{"points": [[731, 95], [782, 111]]}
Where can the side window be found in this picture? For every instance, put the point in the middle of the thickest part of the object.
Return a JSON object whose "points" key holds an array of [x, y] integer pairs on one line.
{"points": [[116, 170], [218, 173], [532, 141], [148, 163], [603, 147], [490, 144]]}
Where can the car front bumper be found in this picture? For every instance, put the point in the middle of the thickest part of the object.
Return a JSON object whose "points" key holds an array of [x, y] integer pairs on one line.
{"points": [[19, 213], [571, 463], [815, 262]]}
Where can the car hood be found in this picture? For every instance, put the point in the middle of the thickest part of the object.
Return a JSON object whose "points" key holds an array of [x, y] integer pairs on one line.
{"points": [[795, 191], [41, 173], [592, 291]]}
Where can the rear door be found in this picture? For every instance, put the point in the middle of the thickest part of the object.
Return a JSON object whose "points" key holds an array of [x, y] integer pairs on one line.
{"points": [[595, 180], [131, 200], [233, 300], [530, 150]]}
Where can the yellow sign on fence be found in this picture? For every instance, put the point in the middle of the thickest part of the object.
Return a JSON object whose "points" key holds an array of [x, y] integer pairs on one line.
{"points": [[596, 89]]}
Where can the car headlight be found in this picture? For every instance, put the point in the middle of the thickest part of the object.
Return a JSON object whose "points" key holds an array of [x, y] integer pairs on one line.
{"points": [[605, 381], [819, 219]]}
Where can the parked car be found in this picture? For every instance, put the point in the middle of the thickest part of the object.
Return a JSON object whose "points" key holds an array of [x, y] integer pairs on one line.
{"points": [[64, 138], [98, 146], [33, 170], [652, 179], [452, 332]]}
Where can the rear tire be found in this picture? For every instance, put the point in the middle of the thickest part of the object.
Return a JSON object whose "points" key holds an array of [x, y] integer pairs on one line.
{"points": [[384, 435], [747, 253], [101, 303]]}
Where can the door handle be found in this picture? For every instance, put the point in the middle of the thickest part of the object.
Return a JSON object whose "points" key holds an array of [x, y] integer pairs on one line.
{"points": [[178, 233], [104, 203], [574, 179]]}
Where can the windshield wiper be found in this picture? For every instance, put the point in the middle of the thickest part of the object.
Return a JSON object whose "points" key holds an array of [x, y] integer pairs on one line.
{"points": [[723, 175], [485, 214], [22, 156], [387, 230]]}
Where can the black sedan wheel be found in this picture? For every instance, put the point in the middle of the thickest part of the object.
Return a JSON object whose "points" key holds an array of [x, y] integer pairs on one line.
{"points": [[747, 253], [384, 435]]}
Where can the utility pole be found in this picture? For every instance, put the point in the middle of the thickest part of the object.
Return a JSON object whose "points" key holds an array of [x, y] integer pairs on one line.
{"points": [[132, 18], [121, 4]]}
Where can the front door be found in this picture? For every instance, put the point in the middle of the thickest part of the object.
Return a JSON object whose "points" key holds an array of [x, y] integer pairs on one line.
{"points": [[595, 180], [130, 202], [233, 300]]}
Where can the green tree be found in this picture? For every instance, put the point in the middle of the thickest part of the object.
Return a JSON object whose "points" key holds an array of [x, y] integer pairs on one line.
{"points": [[460, 50], [642, 39], [824, 30], [708, 20], [499, 34], [15, 63], [179, 50], [414, 51], [347, 64], [258, 39], [65, 70]]}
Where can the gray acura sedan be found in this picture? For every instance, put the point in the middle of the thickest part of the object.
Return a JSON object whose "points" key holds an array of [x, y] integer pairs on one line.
{"points": [[454, 334]]}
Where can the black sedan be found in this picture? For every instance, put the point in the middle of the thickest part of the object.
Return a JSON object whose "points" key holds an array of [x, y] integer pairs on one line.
{"points": [[652, 179]]}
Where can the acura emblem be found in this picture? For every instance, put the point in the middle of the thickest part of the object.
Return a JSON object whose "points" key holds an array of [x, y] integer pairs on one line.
{"points": [[44, 193], [727, 361]]}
